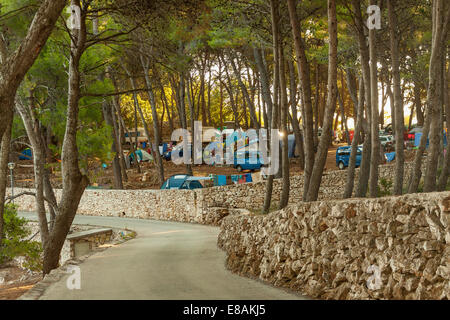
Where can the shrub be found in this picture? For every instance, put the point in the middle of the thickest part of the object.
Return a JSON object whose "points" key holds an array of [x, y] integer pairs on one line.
{"points": [[385, 187], [15, 243]]}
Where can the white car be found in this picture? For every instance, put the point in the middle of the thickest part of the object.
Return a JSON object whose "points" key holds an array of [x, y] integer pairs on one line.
{"points": [[386, 139]]}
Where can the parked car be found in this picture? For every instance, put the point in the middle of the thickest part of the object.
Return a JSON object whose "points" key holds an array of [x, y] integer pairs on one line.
{"points": [[387, 142], [181, 182], [130, 137], [248, 161], [343, 157]]}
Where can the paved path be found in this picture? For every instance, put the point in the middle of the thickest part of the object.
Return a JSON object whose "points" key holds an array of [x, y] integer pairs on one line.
{"points": [[167, 260]]}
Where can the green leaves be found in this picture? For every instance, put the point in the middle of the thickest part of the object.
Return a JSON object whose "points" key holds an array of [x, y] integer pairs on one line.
{"points": [[16, 244]]}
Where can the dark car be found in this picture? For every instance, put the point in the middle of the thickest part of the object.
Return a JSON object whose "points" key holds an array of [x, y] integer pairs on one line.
{"points": [[248, 161], [180, 182], [343, 157]]}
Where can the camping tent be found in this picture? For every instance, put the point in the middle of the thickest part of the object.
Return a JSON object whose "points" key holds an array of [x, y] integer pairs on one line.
{"points": [[142, 155]]}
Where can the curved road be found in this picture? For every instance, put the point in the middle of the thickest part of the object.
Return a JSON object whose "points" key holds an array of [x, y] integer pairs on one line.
{"points": [[166, 261]]}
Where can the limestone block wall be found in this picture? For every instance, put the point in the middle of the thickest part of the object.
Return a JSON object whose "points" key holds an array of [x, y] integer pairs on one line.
{"points": [[251, 196], [175, 205], [388, 248], [205, 206]]}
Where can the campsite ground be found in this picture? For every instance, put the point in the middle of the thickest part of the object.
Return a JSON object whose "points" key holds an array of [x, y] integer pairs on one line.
{"points": [[147, 179]]}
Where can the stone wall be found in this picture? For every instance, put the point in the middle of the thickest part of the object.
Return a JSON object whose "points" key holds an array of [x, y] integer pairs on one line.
{"points": [[330, 249], [251, 196], [204, 206]]}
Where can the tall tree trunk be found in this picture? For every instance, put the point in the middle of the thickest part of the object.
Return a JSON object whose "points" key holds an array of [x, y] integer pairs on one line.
{"points": [[375, 153], [73, 181], [183, 115], [119, 134], [4, 159], [416, 170], [443, 178], [325, 140], [274, 11], [156, 130], [15, 66], [265, 84], [284, 199], [344, 125], [364, 172], [122, 122], [294, 120], [418, 104], [356, 140], [107, 113], [245, 94], [398, 99], [304, 76], [317, 84], [34, 135], [434, 97]]}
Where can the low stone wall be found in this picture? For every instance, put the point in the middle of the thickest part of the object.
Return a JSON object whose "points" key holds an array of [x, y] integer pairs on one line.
{"points": [[175, 205], [204, 206], [250, 196], [331, 249]]}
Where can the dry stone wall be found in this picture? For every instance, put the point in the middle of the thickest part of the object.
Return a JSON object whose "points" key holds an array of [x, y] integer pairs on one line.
{"points": [[204, 206], [337, 249]]}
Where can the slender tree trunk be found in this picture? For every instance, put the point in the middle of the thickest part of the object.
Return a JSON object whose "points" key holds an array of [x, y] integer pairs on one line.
{"points": [[73, 181], [344, 124], [443, 178], [355, 143], [375, 154], [418, 104], [364, 172], [316, 105], [245, 94], [119, 134], [14, 68], [325, 140], [295, 124], [4, 159], [16, 65], [398, 99], [107, 113], [265, 86], [304, 76], [274, 10], [284, 199], [34, 135], [434, 97], [122, 122], [183, 115], [156, 130]]}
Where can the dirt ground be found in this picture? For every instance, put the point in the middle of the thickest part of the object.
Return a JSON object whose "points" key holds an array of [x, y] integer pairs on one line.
{"points": [[147, 179], [22, 282]]}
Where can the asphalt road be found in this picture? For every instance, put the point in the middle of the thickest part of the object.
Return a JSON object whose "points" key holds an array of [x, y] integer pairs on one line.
{"points": [[166, 261]]}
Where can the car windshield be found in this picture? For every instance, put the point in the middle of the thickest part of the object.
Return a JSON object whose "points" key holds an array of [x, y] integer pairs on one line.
{"points": [[175, 183]]}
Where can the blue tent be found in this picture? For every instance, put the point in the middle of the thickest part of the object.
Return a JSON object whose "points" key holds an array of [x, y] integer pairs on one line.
{"points": [[418, 136], [390, 157], [26, 154]]}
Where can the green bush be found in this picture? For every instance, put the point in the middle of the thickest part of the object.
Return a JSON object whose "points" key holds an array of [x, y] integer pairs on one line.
{"points": [[15, 243], [385, 187]]}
